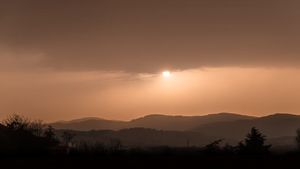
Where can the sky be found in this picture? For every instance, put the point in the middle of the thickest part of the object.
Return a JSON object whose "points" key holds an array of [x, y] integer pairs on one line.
{"points": [[70, 59]]}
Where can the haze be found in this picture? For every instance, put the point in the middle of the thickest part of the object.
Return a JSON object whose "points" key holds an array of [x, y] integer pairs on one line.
{"points": [[70, 59]]}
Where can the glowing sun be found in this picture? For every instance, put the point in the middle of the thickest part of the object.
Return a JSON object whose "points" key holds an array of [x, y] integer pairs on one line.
{"points": [[166, 74]]}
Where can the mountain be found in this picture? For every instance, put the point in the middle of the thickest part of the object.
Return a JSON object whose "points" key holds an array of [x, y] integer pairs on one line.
{"points": [[160, 122], [90, 123], [157, 130], [141, 137], [277, 125], [181, 123]]}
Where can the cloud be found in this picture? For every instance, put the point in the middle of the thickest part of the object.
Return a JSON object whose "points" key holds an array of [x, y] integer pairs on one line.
{"points": [[148, 36], [68, 59]]}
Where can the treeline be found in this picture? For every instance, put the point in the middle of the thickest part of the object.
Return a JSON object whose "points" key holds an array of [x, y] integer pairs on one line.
{"points": [[254, 143], [19, 135]]}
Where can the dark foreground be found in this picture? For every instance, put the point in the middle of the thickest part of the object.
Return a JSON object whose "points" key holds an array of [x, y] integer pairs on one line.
{"points": [[28, 145], [150, 161]]}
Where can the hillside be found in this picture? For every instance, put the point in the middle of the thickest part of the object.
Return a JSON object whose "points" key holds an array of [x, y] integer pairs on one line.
{"points": [[86, 124], [153, 130], [277, 125], [142, 137], [181, 123], [160, 122]]}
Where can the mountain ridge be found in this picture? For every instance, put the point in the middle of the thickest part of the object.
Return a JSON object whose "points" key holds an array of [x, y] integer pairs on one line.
{"points": [[156, 121], [279, 129], [276, 125]]}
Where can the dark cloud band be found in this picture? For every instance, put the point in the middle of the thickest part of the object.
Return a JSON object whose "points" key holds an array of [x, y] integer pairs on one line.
{"points": [[147, 36]]}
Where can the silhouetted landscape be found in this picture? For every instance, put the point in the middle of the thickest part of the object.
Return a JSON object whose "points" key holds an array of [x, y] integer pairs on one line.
{"points": [[149, 84], [161, 130], [25, 142]]}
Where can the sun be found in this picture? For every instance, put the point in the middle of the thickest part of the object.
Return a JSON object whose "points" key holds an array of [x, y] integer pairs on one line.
{"points": [[166, 74]]}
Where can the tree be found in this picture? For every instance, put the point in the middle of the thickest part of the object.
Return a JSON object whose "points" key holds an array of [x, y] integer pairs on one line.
{"points": [[49, 133], [298, 138], [213, 147], [37, 127], [115, 145], [67, 137], [254, 143], [21, 135], [16, 122]]}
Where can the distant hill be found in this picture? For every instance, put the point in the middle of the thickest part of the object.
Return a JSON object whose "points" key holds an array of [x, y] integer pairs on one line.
{"points": [[92, 123], [160, 122], [181, 123], [142, 137], [157, 130], [277, 125]]}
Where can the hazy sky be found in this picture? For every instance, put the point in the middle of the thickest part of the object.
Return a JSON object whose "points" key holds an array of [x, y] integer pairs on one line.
{"points": [[73, 58]]}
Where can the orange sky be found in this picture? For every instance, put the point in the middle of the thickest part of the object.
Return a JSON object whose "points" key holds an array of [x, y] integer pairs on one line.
{"points": [[115, 95], [70, 59]]}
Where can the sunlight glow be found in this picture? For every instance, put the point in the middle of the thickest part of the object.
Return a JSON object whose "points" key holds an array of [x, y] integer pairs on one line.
{"points": [[166, 74]]}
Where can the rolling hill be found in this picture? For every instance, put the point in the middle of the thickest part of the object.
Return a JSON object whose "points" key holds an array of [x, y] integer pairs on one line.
{"points": [[156, 130], [86, 124], [141, 137], [277, 125], [160, 122], [182, 123]]}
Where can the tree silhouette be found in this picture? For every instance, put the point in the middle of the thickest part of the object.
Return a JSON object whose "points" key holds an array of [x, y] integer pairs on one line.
{"points": [[254, 143], [16, 122], [20, 135], [49, 132], [67, 137], [213, 147], [298, 138], [37, 127], [115, 145]]}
